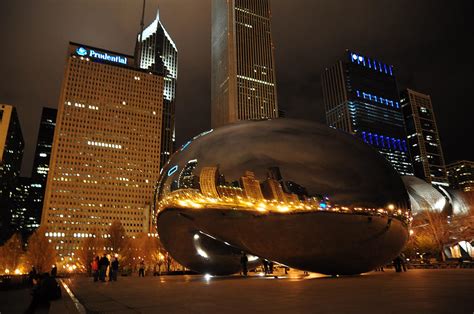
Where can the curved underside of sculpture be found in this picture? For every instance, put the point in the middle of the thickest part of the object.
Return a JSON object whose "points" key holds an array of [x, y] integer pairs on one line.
{"points": [[323, 242]]}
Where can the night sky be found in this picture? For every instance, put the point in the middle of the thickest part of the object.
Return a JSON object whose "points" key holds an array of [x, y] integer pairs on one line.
{"points": [[427, 42]]}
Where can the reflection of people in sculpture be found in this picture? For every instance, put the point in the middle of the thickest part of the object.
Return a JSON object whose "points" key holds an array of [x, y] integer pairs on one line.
{"points": [[265, 266], [244, 260]]}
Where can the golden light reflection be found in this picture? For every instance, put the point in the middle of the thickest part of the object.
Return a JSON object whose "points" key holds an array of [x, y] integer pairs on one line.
{"points": [[191, 198]]}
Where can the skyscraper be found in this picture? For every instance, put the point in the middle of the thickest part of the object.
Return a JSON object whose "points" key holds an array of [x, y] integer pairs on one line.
{"points": [[105, 158], [208, 181], [156, 51], [21, 220], [41, 167], [243, 83], [251, 186], [423, 138], [461, 175], [11, 155], [361, 97]]}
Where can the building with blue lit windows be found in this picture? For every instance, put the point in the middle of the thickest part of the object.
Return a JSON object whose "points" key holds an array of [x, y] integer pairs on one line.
{"points": [[361, 97]]}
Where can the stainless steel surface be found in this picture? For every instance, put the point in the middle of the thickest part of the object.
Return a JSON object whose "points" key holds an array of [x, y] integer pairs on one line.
{"points": [[291, 191]]}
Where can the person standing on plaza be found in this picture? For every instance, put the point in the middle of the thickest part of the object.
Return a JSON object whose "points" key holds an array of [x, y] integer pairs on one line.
{"points": [[403, 262], [54, 271], [141, 269], [113, 270], [397, 264], [95, 268], [243, 261], [103, 264]]}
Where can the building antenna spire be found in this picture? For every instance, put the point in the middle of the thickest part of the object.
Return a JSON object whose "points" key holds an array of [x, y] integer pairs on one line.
{"points": [[142, 26]]}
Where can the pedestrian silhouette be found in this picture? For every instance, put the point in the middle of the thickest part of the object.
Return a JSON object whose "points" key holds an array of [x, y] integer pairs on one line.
{"points": [[243, 261], [54, 271], [141, 269], [265, 266], [113, 270], [103, 264], [95, 268]]}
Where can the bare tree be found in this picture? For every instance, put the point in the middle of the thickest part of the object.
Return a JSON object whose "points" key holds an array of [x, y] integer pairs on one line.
{"points": [[90, 248], [116, 238], [40, 252], [11, 252]]}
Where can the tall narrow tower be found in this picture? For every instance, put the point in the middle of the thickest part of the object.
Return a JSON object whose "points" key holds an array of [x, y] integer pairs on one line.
{"points": [[423, 137], [243, 79], [157, 52]]}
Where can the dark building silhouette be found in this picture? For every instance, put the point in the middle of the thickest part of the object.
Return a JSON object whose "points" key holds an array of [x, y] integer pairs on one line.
{"points": [[297, 189], [187, 179], [40, 170], [11, 156], [423, 138], [461, 175], [361, 97], [21, 218]]}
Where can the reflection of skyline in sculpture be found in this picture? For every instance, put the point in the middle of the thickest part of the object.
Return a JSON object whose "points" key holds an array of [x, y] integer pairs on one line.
{"points": [[187, 180], [276, 178], [258, 187]]}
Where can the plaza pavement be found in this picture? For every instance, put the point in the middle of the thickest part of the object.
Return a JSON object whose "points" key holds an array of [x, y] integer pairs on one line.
{"points": [[416, 291]]}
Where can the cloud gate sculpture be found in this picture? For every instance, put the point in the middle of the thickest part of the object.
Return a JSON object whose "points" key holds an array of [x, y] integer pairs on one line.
{"points": [[294, 192]]}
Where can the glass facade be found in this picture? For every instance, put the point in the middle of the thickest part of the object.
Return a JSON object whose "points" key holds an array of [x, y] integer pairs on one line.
{"points": [[423, 138], [11, 156], [243, 83], [461, 175], [41, 167], [361, 97], [156, 51]]}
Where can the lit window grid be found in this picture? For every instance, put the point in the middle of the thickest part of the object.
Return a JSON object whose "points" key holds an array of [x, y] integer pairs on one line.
{"points": [[86, 189]]}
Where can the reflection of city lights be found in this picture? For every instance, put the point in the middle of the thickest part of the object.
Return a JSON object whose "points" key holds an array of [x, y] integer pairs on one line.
{"points": [[202, 253], [17, 272], [252, 258], [193, 198], [7, 271]]}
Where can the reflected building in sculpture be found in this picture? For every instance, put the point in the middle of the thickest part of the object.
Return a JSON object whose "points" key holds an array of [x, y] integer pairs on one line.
{"points": [[299, 193], [361, 97], [208, 181], [243, 83]]}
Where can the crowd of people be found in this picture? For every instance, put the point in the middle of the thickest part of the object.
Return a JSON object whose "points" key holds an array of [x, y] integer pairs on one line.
{"points": [[99, 268]]}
